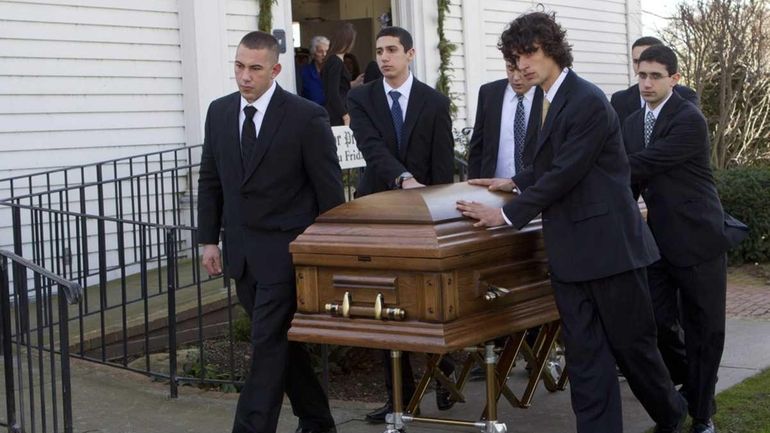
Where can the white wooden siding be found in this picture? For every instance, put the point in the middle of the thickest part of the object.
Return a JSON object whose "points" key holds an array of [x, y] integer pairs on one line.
{"points": [[87, 80]]}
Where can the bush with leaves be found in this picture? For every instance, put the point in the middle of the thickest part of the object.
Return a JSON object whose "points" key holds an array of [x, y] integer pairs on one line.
{"points": [[745, 194]]}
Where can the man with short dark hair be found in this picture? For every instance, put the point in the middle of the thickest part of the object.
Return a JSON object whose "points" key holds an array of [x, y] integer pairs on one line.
{"points": [[403, 128], [505, 131], [669, 153], [264, 179], [596, 242], [627, 101]]}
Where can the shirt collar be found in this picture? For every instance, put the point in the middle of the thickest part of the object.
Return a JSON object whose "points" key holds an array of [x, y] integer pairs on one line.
{"points": [[405, 88], [261, 103], [556, 84], [657, 109], [510, 95]]}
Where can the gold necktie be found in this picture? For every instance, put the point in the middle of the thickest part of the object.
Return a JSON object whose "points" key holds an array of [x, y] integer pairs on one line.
{"points": [[546, 106]]}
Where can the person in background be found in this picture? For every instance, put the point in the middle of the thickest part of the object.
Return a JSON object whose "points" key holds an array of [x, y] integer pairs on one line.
{"points": [[351, 64], [335, 77], [627, 101], [403, 128], [312, 87]]}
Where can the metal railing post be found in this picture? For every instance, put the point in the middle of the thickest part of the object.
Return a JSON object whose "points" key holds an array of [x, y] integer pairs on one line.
{"points": [[171, 293], [5, 316]]}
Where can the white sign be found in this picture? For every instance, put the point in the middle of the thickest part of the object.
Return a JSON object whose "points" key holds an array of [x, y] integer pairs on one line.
{"points": [[347, 151]]}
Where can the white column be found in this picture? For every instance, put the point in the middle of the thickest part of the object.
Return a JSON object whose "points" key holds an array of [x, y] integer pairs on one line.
{"points": [[633, 31], [420, 18], [473, 44], [204, 59], [282, 20]]}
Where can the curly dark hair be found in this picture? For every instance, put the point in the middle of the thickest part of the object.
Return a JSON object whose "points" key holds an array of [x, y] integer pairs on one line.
{"points": [[536, 28]]}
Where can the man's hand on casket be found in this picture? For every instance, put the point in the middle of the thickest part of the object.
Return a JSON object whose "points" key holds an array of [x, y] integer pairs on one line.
{"points": [[487, 216], [496, 184]]}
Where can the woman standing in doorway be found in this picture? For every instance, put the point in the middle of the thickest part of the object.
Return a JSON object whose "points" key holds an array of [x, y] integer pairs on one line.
{"points": [[335, 77]]}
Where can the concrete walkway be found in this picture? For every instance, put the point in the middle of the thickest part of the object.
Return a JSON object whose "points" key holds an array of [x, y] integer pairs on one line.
{"points": [[107, 400]]}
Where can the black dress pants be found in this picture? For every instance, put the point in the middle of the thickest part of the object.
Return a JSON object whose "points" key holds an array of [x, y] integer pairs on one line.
{"points": [[692, 351], [277, 365], [604, 322]]}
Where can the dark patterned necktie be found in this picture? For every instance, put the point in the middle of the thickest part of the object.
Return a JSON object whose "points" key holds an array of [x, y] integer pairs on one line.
{"points": [[248, 135], [649, 124], [519, 134], [397, 115]]}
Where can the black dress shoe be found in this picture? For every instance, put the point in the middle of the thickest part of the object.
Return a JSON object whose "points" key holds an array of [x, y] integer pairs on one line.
{"points": [[311, 430], [377, 416], [701, 426], [444, 400]]}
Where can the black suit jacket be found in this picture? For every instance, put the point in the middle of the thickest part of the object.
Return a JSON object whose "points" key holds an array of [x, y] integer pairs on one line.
{"points": [[627, 101], [485, 141], [683, 207], [293, 177], [579, 181], [336, 84], [427, 149]]}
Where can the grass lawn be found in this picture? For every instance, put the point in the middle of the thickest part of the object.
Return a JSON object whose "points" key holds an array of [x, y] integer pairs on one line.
{"points": [[744, 408]]}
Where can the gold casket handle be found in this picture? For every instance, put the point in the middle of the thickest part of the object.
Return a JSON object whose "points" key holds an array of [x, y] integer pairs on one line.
{"points": [[378, 311]]}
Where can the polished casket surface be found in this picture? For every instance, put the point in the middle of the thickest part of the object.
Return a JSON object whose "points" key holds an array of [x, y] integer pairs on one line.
{"points": [[404, 270]]}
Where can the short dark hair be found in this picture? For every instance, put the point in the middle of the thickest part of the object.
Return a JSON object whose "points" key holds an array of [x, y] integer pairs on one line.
{"points": [[536, 28], [260, 41], [404, 37], [663, 55], [646, 41]]}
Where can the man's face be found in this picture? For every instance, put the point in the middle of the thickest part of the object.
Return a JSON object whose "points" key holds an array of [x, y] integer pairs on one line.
{"points": [[655, 84], [635, 53], [516, 79], [320, 52], [537, 68], [255, 71], [392, 59]]}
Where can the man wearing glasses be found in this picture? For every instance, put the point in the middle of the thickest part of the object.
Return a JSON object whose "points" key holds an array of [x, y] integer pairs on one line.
{"points": [[627, 101], [669, 153]]}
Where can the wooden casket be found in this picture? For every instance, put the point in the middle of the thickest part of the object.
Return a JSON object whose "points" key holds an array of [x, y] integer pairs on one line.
{"points": [[404, 270]]}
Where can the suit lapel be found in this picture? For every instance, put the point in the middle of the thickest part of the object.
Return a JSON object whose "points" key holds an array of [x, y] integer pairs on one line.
{"points": [[383, 119], [274, 116], [556, 106], [534, 116], [416, 103], [634, 102], [233, 134], [494, 118], [664, 117]]}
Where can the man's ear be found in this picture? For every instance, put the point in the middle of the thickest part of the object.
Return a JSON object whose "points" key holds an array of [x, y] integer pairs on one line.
{"points": [[410, 54], [276, 70], [675, 78]]}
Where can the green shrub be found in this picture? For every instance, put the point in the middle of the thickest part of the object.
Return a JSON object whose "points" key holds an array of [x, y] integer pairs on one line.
{"points": [[745, 194], [241, 326]]}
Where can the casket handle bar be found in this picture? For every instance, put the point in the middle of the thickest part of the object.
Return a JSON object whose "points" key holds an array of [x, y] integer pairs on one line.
{"points": [[378, 311], [496, 292]]}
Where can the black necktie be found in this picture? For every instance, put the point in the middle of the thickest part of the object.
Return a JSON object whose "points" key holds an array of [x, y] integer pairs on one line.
{"points": [[397, 115], [519, 134], [248, 135]]}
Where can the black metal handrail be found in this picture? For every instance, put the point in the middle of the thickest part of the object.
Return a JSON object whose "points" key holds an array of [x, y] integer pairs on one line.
{"points": [[30, 348]]}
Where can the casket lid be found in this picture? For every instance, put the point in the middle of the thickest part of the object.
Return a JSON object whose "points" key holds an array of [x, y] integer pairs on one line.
{"points": [[430, 205]]}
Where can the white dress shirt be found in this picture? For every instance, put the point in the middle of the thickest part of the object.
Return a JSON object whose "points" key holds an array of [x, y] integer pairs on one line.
{"points": [[549, 95], [506, 148], [404, 90], [261, 105]]}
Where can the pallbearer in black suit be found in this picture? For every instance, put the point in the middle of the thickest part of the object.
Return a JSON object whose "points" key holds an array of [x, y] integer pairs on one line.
{"points": [[627, 101], [404, 130], [596, 242], [507, 120], [669, 153], [269, 167]]}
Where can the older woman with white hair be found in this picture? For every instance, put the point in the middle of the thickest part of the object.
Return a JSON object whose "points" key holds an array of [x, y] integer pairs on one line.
{"points": [[312, 87]]}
